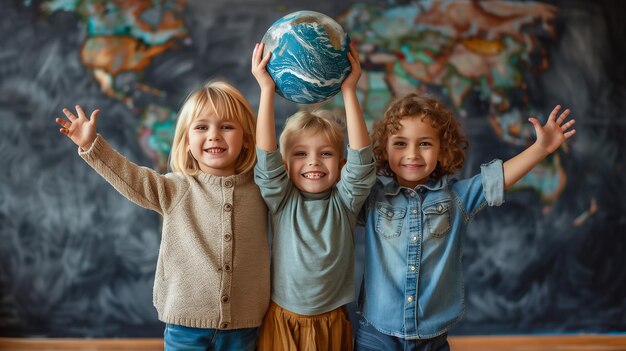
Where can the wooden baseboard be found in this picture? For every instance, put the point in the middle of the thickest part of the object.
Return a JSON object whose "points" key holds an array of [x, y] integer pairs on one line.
{"points": [[36, 344], [583, 342]]}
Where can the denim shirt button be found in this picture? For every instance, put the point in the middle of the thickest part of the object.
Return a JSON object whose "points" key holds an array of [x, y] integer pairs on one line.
{"points": [[414, 211], [412, 267], [409, 299], [414, 238], [439, 208], [389, 214]]}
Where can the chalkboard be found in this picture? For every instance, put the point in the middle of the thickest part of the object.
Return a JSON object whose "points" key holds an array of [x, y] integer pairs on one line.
{"points": [[77, 259]]}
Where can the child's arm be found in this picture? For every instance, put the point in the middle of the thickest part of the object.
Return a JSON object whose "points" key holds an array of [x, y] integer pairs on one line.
{"points": [[359, 175], [141, 185], [357, 130], [265, 127], [81, 130], [549, 137]]}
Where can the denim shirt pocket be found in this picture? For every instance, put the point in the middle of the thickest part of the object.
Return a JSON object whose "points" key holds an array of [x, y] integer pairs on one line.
{"points": [[437, 218], [389, 220]]}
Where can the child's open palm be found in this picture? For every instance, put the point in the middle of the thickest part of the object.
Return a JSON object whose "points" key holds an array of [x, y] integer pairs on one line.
{"points": [[81, 130], [551, 135]]}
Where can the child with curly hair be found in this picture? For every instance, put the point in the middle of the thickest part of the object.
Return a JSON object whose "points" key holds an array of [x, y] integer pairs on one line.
{"points": [[412, 290]]}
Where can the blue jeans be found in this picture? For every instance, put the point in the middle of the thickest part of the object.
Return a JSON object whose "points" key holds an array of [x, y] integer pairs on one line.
{"points": [[178, 337], [368, 338]]}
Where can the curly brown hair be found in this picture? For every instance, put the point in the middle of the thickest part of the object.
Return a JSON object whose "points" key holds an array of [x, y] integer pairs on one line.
{"points": [[453, 141]]}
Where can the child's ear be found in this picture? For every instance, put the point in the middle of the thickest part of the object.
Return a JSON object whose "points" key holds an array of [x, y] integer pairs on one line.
{"points": [[342, 163]]}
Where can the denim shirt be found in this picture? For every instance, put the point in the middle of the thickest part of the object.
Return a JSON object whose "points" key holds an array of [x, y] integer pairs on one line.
{"points": [[413, 277]]}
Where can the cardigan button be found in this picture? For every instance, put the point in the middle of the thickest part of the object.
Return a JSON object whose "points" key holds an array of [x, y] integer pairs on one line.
{"points": [[225, 298], [224, 325], [228, 207], [228, 183], [227, 267], [227, 237]]}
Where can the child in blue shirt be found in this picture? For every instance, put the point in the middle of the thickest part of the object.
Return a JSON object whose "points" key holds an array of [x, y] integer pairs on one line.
{"points": [[412, 290]]}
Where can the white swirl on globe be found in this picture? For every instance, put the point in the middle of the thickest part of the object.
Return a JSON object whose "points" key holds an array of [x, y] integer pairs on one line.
{"points": [[309, 56]]}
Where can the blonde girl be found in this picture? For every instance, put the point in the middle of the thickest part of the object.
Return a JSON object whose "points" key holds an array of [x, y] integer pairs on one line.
{"points": [[211, 285]]}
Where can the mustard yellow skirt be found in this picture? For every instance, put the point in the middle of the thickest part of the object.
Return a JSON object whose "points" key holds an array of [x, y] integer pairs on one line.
{"points": [[287, 331]]}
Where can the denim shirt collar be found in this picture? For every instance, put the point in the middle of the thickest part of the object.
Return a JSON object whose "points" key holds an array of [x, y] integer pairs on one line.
{"points": [[393, 187]]}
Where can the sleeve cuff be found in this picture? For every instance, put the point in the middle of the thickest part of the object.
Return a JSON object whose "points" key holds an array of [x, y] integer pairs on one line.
{"points": [[493, 182], [361, 156], [268, 160], [94, 149]]}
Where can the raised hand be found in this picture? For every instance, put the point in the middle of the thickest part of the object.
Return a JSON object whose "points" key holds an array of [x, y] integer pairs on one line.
{"points": [[80, 129], [258, 67], [551, 135], [355, 73]]}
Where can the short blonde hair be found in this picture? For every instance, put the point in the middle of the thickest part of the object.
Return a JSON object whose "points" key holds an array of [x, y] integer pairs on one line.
{"points": [[226, 102], [318, 121], [453, 141]]}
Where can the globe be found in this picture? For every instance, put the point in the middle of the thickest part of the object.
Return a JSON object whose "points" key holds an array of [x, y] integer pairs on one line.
{"points": [[309, 56]]}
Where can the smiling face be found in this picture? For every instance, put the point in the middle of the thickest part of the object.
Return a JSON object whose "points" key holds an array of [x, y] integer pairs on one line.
{"points": [[413, 151], [313, 162], [215, 143]]}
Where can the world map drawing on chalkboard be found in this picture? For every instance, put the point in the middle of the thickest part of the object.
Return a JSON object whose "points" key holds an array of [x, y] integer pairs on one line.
{"points": [[77, 259], [456, 49], [463, 51], [122, 38]]}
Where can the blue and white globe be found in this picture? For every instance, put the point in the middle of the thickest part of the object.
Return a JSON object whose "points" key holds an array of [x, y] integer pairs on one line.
{"points": [[309, 56]]}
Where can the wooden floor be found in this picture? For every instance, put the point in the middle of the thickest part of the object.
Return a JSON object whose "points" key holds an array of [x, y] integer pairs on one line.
{"points": [[474, 343], [540, 343]]}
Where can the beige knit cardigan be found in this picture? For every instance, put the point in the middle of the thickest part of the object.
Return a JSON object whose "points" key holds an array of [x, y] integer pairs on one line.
{"points": [[213, 264]]}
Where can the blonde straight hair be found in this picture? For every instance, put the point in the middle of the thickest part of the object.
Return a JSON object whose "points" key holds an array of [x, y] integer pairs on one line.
{"points": [[227, 103], [317, 121]]}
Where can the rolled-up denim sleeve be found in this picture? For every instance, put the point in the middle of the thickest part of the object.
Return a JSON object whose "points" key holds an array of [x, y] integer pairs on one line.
{"points": [[493, 182]]}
